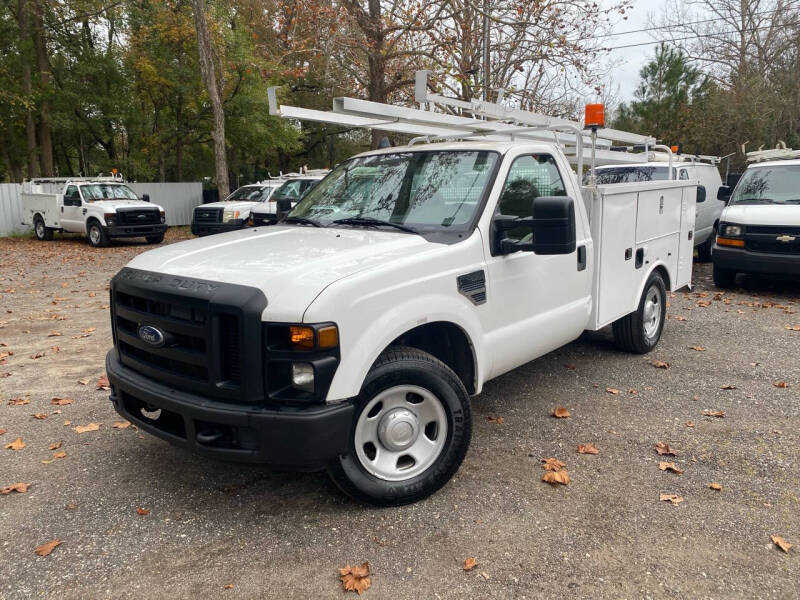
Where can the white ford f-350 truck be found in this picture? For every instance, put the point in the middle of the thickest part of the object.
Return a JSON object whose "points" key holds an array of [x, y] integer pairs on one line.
{"points": [[351, 336], [102, 208]]}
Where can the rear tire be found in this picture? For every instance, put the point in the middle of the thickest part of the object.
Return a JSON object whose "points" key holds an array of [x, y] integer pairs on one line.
{"points": [[97, 235], [154, 239], [640, 331], [704, 249], [723, 278], [42, 232], [412, 429]]}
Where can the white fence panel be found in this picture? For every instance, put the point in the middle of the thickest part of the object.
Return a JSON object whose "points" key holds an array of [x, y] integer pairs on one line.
{"points": [[178, 199], [10, 209]]}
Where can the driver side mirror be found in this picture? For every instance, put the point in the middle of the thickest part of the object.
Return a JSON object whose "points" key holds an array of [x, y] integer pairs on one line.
{"points": [[724, 192], [552, 228], [146, 197], [701, 193]]}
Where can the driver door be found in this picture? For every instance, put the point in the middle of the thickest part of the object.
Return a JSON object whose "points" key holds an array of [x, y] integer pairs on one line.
{"points": [[71, 210]]}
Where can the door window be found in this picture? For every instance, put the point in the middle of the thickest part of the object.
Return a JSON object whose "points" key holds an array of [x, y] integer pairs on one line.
{"points": [[72, 195], [684, 174], [530, 176]]}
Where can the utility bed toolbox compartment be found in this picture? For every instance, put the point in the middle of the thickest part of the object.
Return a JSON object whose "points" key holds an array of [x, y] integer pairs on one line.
{"points": [[636, 226]]}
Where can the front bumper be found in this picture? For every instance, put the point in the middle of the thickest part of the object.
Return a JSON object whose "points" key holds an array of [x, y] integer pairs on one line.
{"points": [[212, 228], [746, 261], [118, 231], [300, 438]]}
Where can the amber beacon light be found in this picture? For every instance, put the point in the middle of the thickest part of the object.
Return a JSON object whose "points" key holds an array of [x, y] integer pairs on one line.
{"points": [[594, 116]]}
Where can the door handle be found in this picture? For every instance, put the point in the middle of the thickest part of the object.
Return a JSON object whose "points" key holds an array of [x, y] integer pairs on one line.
{"points": [[581, 258]]}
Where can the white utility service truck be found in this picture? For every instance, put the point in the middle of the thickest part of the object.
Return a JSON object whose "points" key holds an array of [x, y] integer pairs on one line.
{"points": [[102, 208], [285, 197], [351, 336], [759, 229]]}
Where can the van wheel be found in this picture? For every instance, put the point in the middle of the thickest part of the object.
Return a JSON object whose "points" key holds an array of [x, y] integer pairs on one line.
{"points": [[413, 424], [43, 233], [97, 237], [723, 278], [704, 249], [640, 331], [154, 239]]}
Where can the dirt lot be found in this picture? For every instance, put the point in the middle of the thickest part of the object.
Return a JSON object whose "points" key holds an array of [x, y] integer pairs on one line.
{"points": [[268, 534]]}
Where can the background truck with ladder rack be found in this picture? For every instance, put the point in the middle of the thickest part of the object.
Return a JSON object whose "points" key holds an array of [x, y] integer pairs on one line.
{"points": [[351, 335]]}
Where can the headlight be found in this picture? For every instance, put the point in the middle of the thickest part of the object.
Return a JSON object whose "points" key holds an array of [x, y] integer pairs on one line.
{"points": [[303, 377], [732, 231], [230, 215], [163, 217], [110, 218]]}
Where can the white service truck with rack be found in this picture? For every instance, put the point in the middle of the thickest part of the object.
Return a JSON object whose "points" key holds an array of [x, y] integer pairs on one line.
{"points": [[351, 336], [102, 208]]}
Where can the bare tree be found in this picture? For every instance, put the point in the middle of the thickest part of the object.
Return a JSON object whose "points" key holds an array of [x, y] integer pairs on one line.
{"points": [[43, 62], [208, 69]]}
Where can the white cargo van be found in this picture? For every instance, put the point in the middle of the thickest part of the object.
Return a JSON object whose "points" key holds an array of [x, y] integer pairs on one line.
{"points": [[759, 229], [684, 167], [351, 336], [102, 208]]}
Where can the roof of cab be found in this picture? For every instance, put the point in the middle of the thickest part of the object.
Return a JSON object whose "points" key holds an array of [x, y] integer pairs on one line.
{"points": [[466, 145]]}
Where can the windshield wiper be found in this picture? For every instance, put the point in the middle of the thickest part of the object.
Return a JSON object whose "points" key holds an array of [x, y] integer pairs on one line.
{"points": [[373, 222], [302, 221]]}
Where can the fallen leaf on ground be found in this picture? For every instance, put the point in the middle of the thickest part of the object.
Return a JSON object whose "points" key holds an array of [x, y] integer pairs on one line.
{"points": [[781, 384], [40, 416], [552, 464], [715, 486], [470, 563], [17, 444], [727, 386], [121, 424], [674, 498], [714, 413], [587, 449], [793, 327], [690, 423], [47, 548], [554, 477], [102, 383], [85, 428], [659, 364], [18, 401], [697, 348], [61, 454], [498, 420], [355, 578], [680, 318], [781, 543], [70, 506], [561, 413], [143, 512], [60, 401], [614, 391], [664, 448], [2, 431], [37, 355], [670, 466], [67, 423], [83, 381], [20, 488], [570, 367], [55, 445], [54, 334]]}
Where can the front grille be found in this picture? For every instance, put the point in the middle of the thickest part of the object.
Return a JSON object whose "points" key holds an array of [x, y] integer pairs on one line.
{"points": [[207, 215], [138, 216], [229, 346], [264, 219], [775, 239]]}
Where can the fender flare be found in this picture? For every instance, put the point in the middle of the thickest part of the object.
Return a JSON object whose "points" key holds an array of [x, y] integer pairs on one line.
{"points": [[653, 267]]}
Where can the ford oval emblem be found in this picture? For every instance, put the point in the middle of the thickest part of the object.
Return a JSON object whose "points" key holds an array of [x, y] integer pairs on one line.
{"points": [[152, 336]]}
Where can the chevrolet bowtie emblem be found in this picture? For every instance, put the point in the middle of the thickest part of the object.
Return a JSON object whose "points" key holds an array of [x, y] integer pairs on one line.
{"points": [[786, 238]]}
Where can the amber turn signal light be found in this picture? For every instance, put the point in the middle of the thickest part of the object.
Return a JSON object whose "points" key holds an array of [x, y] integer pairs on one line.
{"points": [[328, 337], [721, 241]]}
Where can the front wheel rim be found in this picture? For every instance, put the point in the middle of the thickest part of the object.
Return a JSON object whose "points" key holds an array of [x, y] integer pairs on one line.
{"points": [[653, 309], [94, 235], [401, 432], [39, 229]]}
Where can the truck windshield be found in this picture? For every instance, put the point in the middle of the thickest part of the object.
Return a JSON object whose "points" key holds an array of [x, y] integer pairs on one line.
{"points": [[251, 194], [779, 184], [632, 174], [107, 191], [426, 190]]}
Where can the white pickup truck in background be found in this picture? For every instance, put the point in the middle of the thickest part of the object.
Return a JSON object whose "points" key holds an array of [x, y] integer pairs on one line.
{"points": [[102, 208], [285, 197], [351, 336]]}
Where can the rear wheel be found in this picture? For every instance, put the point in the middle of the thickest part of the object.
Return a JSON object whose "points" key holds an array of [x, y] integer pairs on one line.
{"points": [[43, 233], [412, 430], [155, 239], [723, 278], [704, 249], [640, 331], [97, 236]]}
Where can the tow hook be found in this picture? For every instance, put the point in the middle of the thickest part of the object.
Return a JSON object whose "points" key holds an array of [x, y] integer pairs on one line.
{"points": [[208, 436]]}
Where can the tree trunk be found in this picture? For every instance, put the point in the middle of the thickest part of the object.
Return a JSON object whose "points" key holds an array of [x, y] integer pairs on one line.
{"points": [[45, 139], [208, 70], [27, 88], [376, 61], [179, 139]]}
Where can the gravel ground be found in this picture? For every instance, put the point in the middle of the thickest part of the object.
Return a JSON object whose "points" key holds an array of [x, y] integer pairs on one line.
{"points": [[233, 531]]}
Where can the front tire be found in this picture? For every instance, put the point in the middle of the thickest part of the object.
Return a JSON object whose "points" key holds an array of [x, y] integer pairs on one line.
{"points": [[723, 278], [704, 249], [97, 235], [42, 232], [640, 331], [413, 424], [154, 239]]}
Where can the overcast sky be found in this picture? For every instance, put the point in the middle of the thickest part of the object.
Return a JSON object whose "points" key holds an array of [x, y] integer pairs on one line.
{"points": [[630, 60]]}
